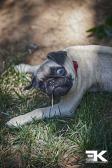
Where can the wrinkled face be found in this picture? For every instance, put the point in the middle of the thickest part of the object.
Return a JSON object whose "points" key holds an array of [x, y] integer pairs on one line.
{"points": [[52, 77]]}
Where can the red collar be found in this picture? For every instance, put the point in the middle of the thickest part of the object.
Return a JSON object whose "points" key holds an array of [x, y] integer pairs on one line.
{"points": [[75, 65]]}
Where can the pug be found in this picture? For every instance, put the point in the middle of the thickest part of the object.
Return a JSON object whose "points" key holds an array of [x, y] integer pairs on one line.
{"points": [[68, 74]]}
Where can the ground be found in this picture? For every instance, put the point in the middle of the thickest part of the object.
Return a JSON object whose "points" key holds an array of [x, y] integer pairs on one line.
{"points": [[55, 142]]}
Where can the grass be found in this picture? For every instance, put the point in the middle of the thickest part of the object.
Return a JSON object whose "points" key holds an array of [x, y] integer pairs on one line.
{"points": [[52, 143]]}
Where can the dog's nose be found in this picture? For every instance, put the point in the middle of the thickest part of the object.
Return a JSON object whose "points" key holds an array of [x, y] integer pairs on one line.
{"points": [[51, 82]]}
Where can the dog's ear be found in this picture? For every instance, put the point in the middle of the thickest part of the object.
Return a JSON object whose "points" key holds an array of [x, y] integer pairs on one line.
{"points": [[59, 57]]}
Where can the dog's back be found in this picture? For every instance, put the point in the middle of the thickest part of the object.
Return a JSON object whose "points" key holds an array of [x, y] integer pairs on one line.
{"points": [[96, 61]]}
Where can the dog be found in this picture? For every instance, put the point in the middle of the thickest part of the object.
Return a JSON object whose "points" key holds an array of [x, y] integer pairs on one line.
{"points": [[68, 74]]}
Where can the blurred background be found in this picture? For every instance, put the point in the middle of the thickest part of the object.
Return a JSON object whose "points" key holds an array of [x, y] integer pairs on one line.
{"points": [[29, 29]]}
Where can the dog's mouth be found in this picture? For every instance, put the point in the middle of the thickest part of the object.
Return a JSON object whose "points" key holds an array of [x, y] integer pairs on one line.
{"points": [[56, 86]]}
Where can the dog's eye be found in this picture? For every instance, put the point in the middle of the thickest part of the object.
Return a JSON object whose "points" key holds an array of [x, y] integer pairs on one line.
{"points": [[61, 71]]}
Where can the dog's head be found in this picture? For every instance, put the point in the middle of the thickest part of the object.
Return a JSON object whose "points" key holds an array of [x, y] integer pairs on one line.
{"points": [[54, 76]]}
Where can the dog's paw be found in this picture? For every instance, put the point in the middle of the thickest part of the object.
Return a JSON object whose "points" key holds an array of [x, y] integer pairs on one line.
{"points": [[20, 68], [16, 121]]}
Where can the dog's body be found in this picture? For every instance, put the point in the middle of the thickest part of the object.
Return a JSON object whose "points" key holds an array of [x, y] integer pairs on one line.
{"points": [[93, 71]]}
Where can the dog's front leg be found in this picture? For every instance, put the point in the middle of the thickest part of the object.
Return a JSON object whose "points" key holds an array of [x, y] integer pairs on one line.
{"points": [[25, 68], [37, 114], [65, 108], [41, 113]]}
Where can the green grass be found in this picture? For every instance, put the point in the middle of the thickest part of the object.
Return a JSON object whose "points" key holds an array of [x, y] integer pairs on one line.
{"points": [[55, 142]]}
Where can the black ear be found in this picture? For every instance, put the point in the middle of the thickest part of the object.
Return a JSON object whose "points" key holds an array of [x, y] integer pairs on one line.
{"points": [[59, 57]]}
